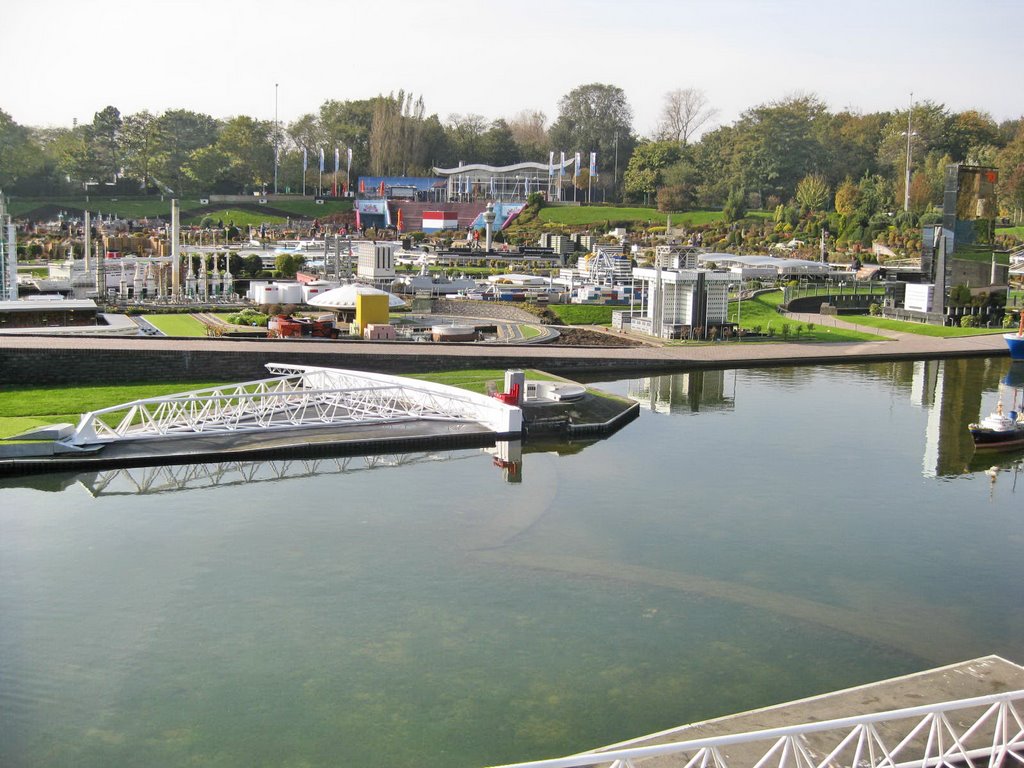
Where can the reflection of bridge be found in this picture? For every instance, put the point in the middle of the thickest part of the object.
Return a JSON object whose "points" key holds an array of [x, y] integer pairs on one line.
{"points": [[141, 481]]}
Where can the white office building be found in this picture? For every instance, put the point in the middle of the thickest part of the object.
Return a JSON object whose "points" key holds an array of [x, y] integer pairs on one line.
{"points": [[680, 303], [376, 260]]}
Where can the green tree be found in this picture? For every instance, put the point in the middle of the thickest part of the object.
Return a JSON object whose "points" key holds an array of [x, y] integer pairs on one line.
{"points": [[594, 118], [812, 192], [20, 156], [104, 142], [847, 197], [142, 137], [650, 159], [498, 145], [180, 133], [735, 206]]}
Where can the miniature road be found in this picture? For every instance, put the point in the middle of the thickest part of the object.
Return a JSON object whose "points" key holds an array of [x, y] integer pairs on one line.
{"points": [[732, 353]]}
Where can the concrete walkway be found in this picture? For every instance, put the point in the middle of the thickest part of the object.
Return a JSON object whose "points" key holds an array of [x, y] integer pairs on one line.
{"points": [[407, 357]]}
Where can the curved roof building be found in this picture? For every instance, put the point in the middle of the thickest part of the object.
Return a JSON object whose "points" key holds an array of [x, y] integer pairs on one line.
{"points": [[345, 297]]}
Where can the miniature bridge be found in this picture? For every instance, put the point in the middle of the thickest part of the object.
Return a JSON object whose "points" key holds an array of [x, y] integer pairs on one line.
{"points": [[980, 732], [298, 397]]}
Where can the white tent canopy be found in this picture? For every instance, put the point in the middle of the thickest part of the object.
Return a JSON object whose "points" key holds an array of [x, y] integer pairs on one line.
{"points": [[345, 297]]}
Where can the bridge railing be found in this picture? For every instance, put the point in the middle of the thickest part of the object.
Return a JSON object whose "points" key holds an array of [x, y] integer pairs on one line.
{"points": [[983, 731]]}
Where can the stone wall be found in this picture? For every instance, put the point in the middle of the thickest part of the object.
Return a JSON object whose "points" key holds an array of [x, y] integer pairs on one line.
{"points": [[42, 366], [495, 310]]}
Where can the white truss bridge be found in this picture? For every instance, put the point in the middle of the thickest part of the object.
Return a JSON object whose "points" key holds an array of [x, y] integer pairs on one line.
{"points": [[159, 479], [297, 397], [981, 732]]}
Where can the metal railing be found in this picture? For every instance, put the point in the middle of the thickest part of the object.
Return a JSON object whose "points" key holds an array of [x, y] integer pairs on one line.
{"points": [[983, 731], [300, 396]]}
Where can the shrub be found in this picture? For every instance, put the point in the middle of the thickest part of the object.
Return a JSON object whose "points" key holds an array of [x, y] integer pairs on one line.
{"points": [[874, 310], [970, 321]]}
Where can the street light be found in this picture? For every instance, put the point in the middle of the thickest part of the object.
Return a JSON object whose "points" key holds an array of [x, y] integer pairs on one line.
{"points": [[910, 135]]}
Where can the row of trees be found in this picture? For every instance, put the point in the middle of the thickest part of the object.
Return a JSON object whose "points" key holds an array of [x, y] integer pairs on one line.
{"points": [[768, 153], [796, 150]]}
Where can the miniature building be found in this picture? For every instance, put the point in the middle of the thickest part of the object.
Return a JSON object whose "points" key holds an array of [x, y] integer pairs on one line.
{"points": [[376, 260], [371, 309], [680, 301]]}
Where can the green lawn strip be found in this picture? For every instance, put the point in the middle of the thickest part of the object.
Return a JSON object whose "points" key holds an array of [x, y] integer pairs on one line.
{"points": [[600, 214], [761, 312], [177, 325], [22, 408], [586, 314], [1015, 231], [921, 329], [529, 331], [238, 217]]}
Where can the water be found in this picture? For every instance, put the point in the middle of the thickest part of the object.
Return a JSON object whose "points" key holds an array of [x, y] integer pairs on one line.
{"points": [[754, 537]]}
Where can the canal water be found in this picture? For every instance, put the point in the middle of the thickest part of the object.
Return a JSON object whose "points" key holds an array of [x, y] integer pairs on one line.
{"points": [[755, 536]]}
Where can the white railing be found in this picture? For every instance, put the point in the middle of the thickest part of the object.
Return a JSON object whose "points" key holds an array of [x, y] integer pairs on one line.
{"points": [[140, 481], [985, 731], [300, 396]]}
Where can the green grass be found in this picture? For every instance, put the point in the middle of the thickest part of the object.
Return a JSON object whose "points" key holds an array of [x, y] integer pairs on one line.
{"points": [[1015, 231], [238, 217], [476, 380], [586, 314], [762, 311], [177, 325], [23, 408], [529, 331], [598, 214], [153, 206], [919, 328]]}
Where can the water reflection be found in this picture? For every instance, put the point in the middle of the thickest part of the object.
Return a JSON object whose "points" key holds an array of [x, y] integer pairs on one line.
{"points": [[683, 392]]}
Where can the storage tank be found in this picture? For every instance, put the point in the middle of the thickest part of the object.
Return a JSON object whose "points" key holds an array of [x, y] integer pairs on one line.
{"points": [[453, 333], [268, 294], [291, 293]]}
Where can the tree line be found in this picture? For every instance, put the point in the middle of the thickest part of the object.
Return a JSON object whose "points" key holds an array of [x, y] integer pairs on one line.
{"points": [[791, 151]]}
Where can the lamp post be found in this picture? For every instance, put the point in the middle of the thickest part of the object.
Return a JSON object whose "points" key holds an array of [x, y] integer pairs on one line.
{"points": [[906, 185], [276, 132]]}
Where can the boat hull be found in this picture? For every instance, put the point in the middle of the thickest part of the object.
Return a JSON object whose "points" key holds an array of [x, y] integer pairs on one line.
{"points": [[1016, 344], [991, 439]]}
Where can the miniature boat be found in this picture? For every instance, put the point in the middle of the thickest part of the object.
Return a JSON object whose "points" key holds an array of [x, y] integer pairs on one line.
{"points": [[997, 430], [1015, 341]]}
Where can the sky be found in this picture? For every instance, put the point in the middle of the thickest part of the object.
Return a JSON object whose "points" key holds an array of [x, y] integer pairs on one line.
{"points": [[67, 60]]}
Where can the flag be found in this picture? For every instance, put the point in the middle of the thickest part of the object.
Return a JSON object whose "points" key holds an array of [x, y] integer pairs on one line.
{"points": [[399, 224], [305, 161], [321, 159], [349, 158], [576, 170], [561, 165], [492, 187], [527, 186], [336, 159], [362, 186], [359, 224], [593, 164], [551, 164], [382, 187]]}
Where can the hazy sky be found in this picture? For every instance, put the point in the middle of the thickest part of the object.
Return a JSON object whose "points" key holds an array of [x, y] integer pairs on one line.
{"points": [[63, 60]]}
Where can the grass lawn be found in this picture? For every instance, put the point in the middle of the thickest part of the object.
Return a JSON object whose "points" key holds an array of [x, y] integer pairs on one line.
{"points": [[133, 208], [529, 331], [761, 312], [177, 325], [238, 217], [586, 314], [476, 380], [22, 408], [1015, 231], [598, 213], [919, 328]]}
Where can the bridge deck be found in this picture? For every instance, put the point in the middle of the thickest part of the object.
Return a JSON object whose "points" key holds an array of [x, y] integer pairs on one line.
{"points": [[968, 679]]}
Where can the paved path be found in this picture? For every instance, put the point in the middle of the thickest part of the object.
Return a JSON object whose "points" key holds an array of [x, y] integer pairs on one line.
{"points": [[664, 357]]}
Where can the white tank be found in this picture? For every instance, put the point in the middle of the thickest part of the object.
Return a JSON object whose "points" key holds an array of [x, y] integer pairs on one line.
{"points": [[291, 293], [268, 294]]}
